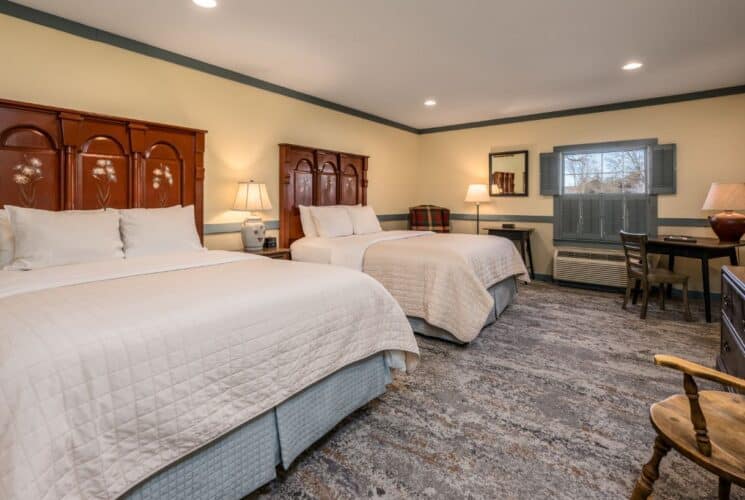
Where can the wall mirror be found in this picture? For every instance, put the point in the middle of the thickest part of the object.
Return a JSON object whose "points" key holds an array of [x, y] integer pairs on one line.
{"points": [[508, 173]]}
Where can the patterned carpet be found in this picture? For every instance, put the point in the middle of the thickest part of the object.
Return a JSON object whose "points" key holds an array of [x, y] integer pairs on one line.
{"points": [[550, 402]]}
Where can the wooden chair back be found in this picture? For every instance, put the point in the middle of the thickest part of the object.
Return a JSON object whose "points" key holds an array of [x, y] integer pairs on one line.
{"points": [[635, 250]]}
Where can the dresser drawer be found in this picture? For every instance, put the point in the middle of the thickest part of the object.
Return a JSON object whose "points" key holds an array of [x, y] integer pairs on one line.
{"points": [[732, 351], [733, 308]]}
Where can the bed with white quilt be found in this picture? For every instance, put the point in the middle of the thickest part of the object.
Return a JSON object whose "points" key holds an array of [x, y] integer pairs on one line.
{"points": [[449, 285], [135, 364]]}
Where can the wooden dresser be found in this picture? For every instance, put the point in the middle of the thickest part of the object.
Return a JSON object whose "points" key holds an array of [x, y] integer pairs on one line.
{"points": [[732, 349]]}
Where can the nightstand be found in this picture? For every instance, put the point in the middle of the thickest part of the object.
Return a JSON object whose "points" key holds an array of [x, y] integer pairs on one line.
{"points": [[520, 235], [274, 253]]}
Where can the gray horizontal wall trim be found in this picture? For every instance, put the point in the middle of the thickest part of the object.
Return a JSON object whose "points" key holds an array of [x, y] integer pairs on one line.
{"points": [[235, 227], [682, 222], [548, 219], [654, 101], [91, 33]]}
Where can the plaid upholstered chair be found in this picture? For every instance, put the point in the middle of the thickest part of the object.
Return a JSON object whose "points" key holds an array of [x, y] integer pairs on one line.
{"points": [[429, 218]]}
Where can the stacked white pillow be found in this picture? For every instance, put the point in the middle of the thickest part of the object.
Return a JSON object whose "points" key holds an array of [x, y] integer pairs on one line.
{"points": [[33, 239], [44, 238], [338, 220], [157, 231]]}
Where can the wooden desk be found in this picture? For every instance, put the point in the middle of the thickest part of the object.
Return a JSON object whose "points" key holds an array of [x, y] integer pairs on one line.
{"points": [[703, 249], [520, 235]]}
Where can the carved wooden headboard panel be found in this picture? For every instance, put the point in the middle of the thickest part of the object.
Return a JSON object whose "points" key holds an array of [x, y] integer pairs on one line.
{"points": [[313, 176], [60, 159]]}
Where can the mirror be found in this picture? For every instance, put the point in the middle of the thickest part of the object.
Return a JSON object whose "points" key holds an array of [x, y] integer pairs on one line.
{"points": [[508, 173]]}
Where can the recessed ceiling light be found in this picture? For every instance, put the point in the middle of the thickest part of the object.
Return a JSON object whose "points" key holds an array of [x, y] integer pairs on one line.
{"points": [[430, 102], [207, 4], [632, 65]]}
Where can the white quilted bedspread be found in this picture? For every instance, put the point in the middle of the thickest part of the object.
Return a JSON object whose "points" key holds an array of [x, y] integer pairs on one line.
{"points": [[441, 278], [111, 371]]}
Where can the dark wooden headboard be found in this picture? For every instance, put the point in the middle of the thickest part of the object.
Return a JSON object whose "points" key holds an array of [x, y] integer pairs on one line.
{"points": [[314, 176], [62, 159]]}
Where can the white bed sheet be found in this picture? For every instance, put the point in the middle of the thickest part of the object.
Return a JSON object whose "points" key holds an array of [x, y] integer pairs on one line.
{"points": [[110, 372]]}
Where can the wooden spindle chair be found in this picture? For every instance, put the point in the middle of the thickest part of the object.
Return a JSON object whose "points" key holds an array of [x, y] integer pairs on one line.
{"points": [[707, 427], [639, 272]]}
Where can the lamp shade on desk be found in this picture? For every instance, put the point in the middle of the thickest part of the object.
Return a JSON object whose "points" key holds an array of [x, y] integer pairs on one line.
{"points": [[726, 197]]}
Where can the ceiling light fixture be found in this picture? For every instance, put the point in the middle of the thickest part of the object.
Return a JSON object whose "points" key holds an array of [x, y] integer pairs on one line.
{"points": [[632, 65], [207, 4], [430, 102]]}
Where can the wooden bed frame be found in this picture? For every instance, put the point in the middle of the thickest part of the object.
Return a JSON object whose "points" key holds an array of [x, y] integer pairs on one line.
{"points": [[61, 159], [313, 176]]}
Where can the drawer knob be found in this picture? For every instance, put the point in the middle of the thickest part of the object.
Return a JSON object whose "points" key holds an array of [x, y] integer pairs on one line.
{"points": [[725, 301], [725, 347]]}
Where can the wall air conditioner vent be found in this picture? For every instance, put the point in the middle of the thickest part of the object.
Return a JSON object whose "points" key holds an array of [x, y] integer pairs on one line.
{"points": [[590, 266]]}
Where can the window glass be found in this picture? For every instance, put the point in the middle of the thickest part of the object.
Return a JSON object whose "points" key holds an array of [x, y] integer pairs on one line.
{"points": [[606, 172]]}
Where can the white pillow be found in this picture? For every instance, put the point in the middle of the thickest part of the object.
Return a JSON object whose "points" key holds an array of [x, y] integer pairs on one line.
{"points": [[155, 231], [306, 221], [45, 238], [6, 240], [364, 219], [332, 221]]}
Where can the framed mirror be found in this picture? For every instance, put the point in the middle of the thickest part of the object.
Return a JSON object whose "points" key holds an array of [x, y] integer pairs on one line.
{"points": [[508, 173]]}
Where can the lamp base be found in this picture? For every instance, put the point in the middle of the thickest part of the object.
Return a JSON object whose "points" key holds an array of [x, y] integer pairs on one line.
{"points": [[253, 232], [728, 225]]}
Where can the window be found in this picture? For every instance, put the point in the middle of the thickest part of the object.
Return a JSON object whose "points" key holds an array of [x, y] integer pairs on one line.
{"points": [[601, 189]]}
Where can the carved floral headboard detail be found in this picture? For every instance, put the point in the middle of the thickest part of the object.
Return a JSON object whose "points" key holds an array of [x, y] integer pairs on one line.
{"points": [[61, 159]]}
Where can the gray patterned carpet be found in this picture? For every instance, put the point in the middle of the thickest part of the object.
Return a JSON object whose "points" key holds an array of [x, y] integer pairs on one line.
{"points": [[550, 402]]}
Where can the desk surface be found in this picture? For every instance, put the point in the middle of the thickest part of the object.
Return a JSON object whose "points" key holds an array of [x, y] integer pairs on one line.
{"points": [[511, 229], [700, 242]]}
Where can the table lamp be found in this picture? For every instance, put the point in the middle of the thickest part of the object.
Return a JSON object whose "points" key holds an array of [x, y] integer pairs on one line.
{"points": [[727, 224], [477, 193], [252, 197]]}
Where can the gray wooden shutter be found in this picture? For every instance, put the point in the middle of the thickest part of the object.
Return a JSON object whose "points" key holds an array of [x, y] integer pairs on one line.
{"points": [[566, 218], [638, 214], [550, 174], [612, 217], [590, 218], [662, 169]]}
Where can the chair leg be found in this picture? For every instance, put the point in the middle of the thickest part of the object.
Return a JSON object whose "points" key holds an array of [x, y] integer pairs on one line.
{"points": [[645, 300], [724, 488], [651, 471], [627, 295], [662, 296], [686, 306]]}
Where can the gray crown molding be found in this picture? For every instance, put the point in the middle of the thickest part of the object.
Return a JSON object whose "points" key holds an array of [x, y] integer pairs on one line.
{"points": [[91, 33]]}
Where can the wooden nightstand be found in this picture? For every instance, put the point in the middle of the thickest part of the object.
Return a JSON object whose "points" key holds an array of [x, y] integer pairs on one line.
{"points": [[274, 253]]}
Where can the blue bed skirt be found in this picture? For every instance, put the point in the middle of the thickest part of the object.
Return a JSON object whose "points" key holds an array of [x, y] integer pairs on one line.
{"points": [[236, 464]]}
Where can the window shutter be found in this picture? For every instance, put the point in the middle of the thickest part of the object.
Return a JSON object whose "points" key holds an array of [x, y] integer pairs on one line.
{"points": [[590, 214], [550, 170], [566, 215], [612, 218], [637, 214], [662, 169]]}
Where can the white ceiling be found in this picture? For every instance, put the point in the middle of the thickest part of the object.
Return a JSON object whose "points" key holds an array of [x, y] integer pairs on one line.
{"points": [[480, 59]]}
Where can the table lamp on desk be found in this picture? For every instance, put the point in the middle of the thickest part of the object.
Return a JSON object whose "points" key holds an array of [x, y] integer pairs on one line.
{"points": [[727, 224]]}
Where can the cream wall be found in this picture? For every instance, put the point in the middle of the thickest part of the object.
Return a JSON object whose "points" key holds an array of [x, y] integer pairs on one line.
{"points": [[710, 138], [245, 124]]}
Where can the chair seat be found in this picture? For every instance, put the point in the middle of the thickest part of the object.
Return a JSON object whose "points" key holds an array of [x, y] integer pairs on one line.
{"points": [[725, 422], [662, 275]]}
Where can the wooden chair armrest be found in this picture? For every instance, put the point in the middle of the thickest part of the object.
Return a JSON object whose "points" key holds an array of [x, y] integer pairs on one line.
{"points": [[696, 370]]}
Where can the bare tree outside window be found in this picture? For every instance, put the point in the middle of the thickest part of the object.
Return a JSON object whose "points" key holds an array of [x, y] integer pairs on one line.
{"points": [[608, 172]]}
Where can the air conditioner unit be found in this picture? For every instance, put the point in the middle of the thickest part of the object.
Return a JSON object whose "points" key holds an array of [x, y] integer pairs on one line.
{"points": [[590, 266]]}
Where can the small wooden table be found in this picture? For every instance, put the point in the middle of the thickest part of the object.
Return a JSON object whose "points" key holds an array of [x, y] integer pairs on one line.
{"points": [[519, 235], [273, 253], [702, 249]]}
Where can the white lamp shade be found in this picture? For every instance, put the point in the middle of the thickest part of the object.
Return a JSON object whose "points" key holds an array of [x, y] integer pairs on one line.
{"points": [[725, 197], [251, 197], [478, 193]]}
